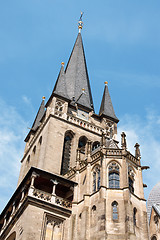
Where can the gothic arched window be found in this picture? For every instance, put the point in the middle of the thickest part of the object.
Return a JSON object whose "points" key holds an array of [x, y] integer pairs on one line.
{"points": [[114, 175], [66, 153], [96, 178], [82, 143], [114, 210], [95, 145], [131, 179]]}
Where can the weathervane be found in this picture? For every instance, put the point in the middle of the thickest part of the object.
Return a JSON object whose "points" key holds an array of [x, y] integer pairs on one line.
{"points": [[80, 22]]}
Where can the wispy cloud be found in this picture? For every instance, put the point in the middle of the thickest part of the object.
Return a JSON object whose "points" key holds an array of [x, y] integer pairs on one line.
{"points": [[26, 100], [146, 132], [12, 132]]}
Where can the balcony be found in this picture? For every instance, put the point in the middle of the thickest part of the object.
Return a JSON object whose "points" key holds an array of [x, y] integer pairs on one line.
{"points": [[41, 187]]}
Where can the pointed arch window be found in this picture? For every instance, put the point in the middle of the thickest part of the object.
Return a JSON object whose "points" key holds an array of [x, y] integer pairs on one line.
{"points": [[96, 178], [131, 179], [114, 181], [114, 211], [82, 143], [66, 153]]}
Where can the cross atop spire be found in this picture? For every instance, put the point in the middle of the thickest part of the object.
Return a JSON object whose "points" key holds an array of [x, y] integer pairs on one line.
{"points": [[80, 22]]}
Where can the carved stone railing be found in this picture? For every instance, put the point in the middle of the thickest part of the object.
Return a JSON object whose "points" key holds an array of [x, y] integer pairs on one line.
{"points": [[85, 124], [63, 202], [42, 195], [132, 158], [96, 154], [114, 152]]}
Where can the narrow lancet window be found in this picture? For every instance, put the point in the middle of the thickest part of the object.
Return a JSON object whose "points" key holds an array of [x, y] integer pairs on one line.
{"points": [[114, 211], [114, 175], [66, 154], [96, 179], [131, 179]]}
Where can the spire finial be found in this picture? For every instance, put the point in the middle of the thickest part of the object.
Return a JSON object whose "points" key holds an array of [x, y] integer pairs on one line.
{"points": [[80, 22], [106, 83], [43, 98], [62, 63]]}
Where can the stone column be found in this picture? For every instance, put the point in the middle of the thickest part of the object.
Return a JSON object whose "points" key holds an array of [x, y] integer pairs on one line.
{"points": [[13, 210], [22, 196], [4, 223], [31, 188], [53, 198], [103, 172]]}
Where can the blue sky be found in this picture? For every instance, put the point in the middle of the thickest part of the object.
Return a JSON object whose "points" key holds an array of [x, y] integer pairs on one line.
{"points": [[122, 46]]}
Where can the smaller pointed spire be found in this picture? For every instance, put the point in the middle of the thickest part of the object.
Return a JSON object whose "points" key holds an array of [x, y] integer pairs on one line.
{"points": [[106, 105], [39, 116], [60, 86]]}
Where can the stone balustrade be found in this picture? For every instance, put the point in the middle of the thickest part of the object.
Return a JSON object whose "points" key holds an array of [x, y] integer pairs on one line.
{"points": [[84, 124], [29, 190], [42, 195], [63, 202]]}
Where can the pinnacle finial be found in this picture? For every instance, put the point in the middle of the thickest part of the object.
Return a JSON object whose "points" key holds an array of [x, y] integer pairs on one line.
{"points": [[106, 83], [62, 63], [80, 22], [43, 98]]}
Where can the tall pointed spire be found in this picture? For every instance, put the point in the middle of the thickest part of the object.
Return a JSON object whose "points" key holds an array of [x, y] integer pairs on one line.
{"points": [[106, 105], [73, 83], [77, 76], [60, 86]]}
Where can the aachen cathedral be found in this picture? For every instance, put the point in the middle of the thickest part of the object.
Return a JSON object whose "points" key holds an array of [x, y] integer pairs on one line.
{"points": [[76, 181]]}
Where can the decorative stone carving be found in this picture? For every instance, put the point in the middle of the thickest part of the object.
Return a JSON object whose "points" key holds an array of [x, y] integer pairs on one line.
{"points": [[59, 107]]}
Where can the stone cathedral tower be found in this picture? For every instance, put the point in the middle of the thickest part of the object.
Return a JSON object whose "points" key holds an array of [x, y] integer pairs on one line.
{"points": [[75, 182]]}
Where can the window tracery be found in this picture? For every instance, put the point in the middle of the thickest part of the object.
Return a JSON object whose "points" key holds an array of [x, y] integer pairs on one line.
{"points": [[53, 228], [59, 106], [114, 181]]}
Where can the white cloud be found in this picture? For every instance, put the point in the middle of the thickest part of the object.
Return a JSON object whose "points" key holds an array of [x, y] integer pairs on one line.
{"points": [[146, 132], [12, 132], [26, 100]]}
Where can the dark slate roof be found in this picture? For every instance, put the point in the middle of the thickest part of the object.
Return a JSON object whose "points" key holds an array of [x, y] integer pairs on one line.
{"points": [[60, 86], [154, 198], [77, 75], [106, 105], [39, 116], [70, 82]]}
